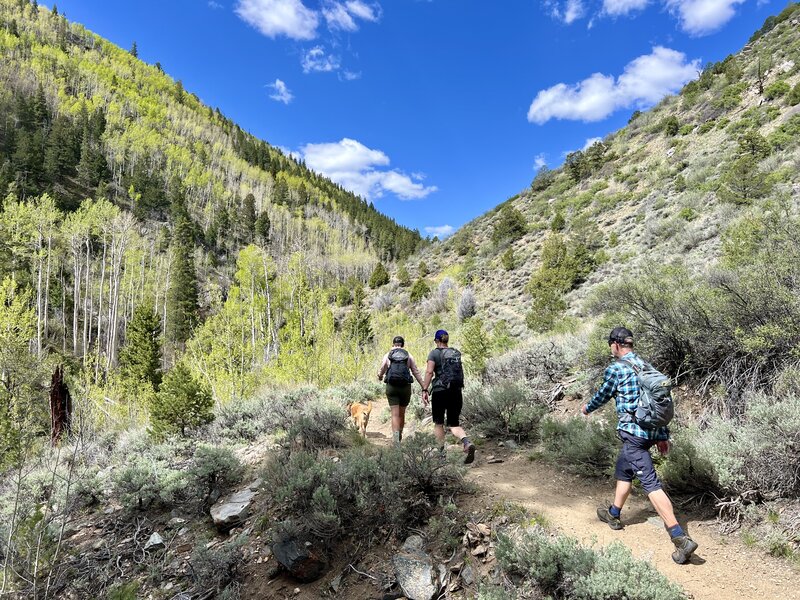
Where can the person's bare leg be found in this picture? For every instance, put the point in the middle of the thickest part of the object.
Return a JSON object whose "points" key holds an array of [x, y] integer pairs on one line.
{"points": [[401, 415], [458, 432], [397, 419], [621, 493], [663, 506]]}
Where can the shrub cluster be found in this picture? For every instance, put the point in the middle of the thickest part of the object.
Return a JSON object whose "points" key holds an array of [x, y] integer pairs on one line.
{"points": [[506, 410], [581, 446], [541, 564], [397, 487]]}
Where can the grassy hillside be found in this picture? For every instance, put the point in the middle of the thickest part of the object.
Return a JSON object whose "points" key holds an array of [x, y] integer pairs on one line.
{"points": [[664, 187]]}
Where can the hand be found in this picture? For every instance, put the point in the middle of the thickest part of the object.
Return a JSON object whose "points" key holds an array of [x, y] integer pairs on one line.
{"points": [[425, 397], [663, 447], [380, 377], [584, 410]]}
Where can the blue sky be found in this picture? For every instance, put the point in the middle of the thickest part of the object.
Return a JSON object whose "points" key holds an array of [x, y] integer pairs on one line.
{"points": [[435, 110]]}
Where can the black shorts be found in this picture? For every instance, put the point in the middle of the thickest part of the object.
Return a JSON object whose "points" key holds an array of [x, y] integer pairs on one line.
{"points": [[398, 394], [447, 401], [635, 462]]}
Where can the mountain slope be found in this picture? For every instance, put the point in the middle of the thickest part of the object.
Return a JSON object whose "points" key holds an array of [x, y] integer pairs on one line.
{"points": [[665, 186]]}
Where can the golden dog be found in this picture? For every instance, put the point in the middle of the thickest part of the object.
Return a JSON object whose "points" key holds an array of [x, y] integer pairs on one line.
{"points": [[359, 415]]}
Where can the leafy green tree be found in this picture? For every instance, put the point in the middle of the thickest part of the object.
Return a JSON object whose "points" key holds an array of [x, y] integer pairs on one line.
{"points": [[559, 222], [543, 180], [476, 344], [419, 290], [181, 403], [510, 225], [140, 357], [670, 126], [379, 277]]}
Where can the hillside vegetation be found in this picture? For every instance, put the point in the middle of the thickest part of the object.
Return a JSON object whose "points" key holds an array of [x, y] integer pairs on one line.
{"points": [[186, 313]]}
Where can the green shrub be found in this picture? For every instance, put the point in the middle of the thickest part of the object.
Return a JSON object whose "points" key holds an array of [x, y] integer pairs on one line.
{"points": [[398, 487], [543, 180], [145, 482], [505, 410], [670, 126], [511, 225], [776, 90], [731, 97], [508, 260], [379, 277], [793, 99], [687, 470], [557, 566], [213, 470], [403, 278], [216, 567], [706, 127], [124, 591], [687, 213], [686, 129], [582, 446], [319, 423]]}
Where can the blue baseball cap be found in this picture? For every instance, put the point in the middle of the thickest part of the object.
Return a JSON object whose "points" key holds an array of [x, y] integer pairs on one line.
{"points": [[439, 335]]}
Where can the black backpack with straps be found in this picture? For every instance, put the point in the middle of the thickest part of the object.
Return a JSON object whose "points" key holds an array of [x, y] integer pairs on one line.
{"points": [[452, 375], [398, 371]]}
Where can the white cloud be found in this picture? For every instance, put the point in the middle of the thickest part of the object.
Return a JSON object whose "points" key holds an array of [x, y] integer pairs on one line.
{"points": [[539, 161], [282, 93], [644, 81], [700, 17], [350, 75], [573, 11], [215, 5], [356, 167], [591, 142], [275, 18], [440, 231], [317, 60], [343, 15], [623, 7]]}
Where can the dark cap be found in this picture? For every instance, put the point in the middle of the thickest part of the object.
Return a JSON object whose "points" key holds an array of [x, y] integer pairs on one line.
{"points": [[621, 335], [439, 335], [398, 339]]}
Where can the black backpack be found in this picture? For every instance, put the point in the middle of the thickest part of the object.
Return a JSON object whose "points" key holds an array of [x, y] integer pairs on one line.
{"points": [[398, 371], [452, 375]]}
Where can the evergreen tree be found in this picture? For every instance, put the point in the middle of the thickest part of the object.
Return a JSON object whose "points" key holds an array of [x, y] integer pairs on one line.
{"points": [[134, 51], [262, 228], [140, 357], [743, 182], [182, 296], [419, 290], [422, 269], [476, 344], [181, 403], [249, 219], [379, 277], [403, 278], [508, 259], [358, 326], [92, 168], [510, 225]]}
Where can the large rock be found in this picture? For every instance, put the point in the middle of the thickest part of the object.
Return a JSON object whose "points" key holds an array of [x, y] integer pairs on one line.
{"points": [[232, 510], [414, 570], [300, 559]]}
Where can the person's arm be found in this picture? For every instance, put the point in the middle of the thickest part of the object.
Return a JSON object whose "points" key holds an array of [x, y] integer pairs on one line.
{"points": [[412, 365], [605, 393], [427, 382], [384, 366]]}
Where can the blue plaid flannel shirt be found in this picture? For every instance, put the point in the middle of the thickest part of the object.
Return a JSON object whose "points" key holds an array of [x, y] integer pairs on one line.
{"points": [[621, 383]]}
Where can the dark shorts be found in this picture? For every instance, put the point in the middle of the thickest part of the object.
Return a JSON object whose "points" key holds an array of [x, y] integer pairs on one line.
{"points": [[447, 401], [635, 462], [398, 394]]}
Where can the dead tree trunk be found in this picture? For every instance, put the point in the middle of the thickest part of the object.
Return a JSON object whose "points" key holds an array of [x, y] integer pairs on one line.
{"points": [[60, 406]]}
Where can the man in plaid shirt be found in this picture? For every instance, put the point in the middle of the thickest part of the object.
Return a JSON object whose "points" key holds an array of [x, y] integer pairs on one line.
{"points": [[621, 383]]}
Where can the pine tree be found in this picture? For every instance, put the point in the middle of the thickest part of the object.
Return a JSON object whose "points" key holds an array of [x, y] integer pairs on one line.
{"points": [[249, 219], [134, 50], [181, 403], [262, 228], [358, 326], [182, 296], [511, 225], [403, 278], [140, 358], [419, 290], [379, 277]]}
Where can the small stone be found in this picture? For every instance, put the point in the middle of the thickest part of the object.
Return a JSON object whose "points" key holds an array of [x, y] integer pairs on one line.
{"points": [[156, 542], [511, 444], [296, 591], [495, 461], [480, 550]]}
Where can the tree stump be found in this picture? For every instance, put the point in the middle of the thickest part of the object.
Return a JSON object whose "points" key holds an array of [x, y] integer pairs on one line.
{"points": [[60, 406]]}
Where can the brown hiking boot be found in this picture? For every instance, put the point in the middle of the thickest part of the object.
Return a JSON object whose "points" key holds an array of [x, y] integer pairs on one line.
{"points": [[606, 517], [470, 450], [685, 547]]}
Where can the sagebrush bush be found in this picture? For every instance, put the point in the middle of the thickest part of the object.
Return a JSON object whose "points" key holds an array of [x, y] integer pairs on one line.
{"points": [[319, 423], [504, 410], [582, 446], [558, 566], [143, 483], [216, 567], [398, 487], [687, 470], [213, 470]]}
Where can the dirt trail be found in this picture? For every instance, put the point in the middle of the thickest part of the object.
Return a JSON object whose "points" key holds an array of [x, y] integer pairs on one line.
{"points": [[722, 569]]}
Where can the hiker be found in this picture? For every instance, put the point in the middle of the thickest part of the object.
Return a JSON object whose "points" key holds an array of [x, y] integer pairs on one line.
{"points": [[445, 363], [622, 383], [396, 369]]}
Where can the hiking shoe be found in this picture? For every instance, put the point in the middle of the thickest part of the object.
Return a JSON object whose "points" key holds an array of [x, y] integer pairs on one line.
{"points": [[470, 450], [606, 517], [685, 547]]}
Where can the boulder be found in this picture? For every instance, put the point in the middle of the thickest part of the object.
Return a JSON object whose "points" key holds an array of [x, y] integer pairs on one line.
{"points": [[300, 559], [232, 510], [414, 570]]}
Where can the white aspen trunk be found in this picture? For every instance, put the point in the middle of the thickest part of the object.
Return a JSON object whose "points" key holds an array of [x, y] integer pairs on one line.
{"points": [[47, 281], [99, 337]]}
